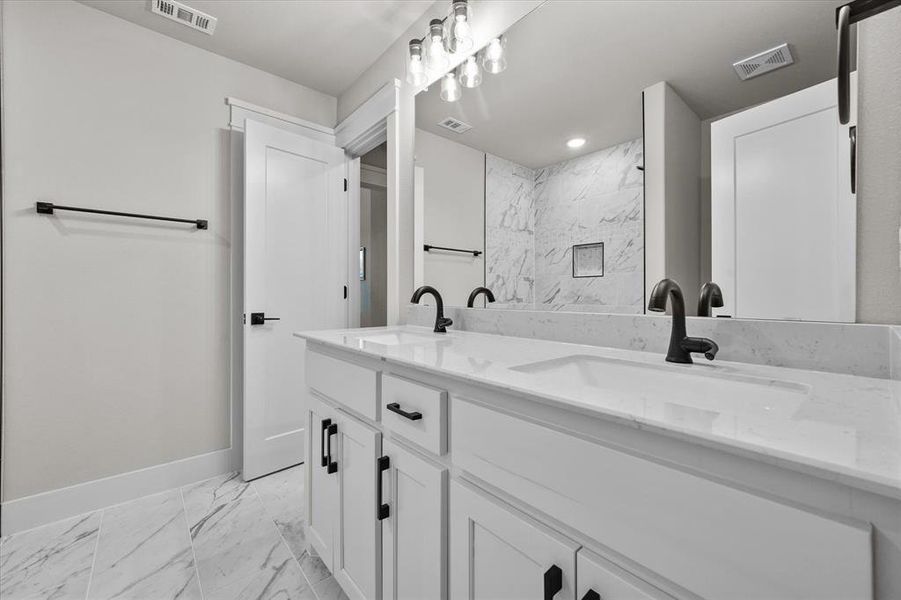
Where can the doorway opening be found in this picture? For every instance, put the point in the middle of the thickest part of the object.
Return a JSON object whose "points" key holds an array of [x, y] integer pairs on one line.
{"points": [[374, 237]]}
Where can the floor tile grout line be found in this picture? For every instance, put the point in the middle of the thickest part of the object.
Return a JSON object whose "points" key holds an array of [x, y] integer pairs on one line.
{"points": [[184, 509], [284, 541], [87, 592]]}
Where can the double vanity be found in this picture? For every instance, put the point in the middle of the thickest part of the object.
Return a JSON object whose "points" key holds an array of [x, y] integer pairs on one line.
{"points": [[478, 466]]}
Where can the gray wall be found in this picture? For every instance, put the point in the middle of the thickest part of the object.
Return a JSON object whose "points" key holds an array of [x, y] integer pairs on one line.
{"points": [[116, 332], [879, 169], [454, 215]]}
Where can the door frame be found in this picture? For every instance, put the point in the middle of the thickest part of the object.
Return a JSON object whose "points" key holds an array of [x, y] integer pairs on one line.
{"points": [[379, 120], [233, 142]]}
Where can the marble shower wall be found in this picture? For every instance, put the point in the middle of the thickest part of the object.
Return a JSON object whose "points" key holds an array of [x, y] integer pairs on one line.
{"points": [[509, 231], [533, 217]]}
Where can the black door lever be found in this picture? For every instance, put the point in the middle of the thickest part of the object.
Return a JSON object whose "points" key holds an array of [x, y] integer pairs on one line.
{"points": [[261, 318]]}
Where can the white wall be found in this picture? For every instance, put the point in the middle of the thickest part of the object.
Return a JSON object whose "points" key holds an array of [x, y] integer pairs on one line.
{"points": [[116, 332], [672, 192], [454, 215], [879, 169]]}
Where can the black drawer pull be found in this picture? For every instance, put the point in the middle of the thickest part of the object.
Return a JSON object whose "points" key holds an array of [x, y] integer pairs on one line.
{"points": [[332, 466], [325, 424], [591, 595], [395, 408], [553, 582], [382, 509]]}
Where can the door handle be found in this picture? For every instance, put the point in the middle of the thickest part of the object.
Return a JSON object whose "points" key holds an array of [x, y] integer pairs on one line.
{"points": [[325, 424], [591, 595], [331, 465], [382, 510], [553, 582], [395, 408], [261, 318], [852, 134], [843, 25]]}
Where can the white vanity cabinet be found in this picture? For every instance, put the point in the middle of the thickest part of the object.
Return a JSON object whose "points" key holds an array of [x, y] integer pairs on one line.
{"points": [[498, 554], [343, 526], [481, 494], [413, 533]]}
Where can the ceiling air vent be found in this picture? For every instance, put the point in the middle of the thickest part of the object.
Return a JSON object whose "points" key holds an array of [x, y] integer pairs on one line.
{"points": [[178, 12], [766, 61], [454, 125]]}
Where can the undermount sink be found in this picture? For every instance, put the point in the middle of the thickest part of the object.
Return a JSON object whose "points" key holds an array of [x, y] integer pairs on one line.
{"points": [[701, 387], [396, 338]]}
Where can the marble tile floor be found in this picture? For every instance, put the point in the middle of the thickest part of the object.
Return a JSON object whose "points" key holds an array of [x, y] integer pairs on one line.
{"points": [[220, 539]]}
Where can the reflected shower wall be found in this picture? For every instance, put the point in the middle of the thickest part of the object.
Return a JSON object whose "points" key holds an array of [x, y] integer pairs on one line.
{"points": [[534, 217]]}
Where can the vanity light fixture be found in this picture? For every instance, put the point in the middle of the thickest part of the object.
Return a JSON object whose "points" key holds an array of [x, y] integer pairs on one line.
{"points": [[416, 75], [450, 88], [436, 59], [576, 142], [494, 58], [469, 74], [458, 27]]}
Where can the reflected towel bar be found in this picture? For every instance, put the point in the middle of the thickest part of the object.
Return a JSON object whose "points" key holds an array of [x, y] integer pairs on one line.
{"points": [[47, 208], [428, 247]]}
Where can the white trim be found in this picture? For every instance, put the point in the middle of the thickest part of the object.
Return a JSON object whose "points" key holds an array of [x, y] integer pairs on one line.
{"points": [[241, 110], [47, 507], [365, 128], [370, 175]]}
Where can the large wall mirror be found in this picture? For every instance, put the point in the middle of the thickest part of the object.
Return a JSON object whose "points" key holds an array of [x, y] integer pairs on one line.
{"points": [[625, 142]]}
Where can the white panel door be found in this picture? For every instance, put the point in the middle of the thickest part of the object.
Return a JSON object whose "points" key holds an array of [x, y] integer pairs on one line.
{"points": [[414, 534], [499, 554], [783, 218], [295, 270], [321, 479], [358, 545]]}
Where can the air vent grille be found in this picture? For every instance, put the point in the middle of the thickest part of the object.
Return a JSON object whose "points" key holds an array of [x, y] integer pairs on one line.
{"points": [[454, 125], [178, 12], [764, 62]]}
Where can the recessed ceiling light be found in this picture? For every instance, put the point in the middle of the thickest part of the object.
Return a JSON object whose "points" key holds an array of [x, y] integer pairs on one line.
{"points": [[576, 142]]}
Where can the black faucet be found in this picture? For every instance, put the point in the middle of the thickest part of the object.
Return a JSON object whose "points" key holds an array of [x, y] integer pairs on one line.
{"points": [[680, 345], [711, 296], [479, 290], [441, 322]]}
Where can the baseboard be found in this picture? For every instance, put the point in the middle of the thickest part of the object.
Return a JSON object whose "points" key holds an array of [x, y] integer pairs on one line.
{"points": [[32, 511]]}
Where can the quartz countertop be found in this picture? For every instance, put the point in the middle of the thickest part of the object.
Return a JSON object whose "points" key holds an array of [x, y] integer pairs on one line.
{"points": [[839, 427]]}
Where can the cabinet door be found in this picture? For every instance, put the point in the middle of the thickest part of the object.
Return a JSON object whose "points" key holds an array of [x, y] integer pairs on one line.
{"points": [[322, 489], [599, 579], [414, 542], [358, 547], [498, 553]]}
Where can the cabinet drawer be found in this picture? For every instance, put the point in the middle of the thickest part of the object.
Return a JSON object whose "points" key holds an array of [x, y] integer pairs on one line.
{"points": [[710, 538], [598, 578], [415, 411], [346, 383]]}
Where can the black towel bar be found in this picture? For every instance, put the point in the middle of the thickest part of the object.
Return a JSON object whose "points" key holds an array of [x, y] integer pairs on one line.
{"points": [[47, 208], [428, 247]]}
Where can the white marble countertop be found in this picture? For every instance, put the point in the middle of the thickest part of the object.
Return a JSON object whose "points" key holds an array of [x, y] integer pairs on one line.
{"points": [[839, 427]]}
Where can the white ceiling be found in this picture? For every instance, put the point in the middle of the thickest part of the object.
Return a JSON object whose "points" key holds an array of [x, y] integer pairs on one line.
{"points": [[577, 68], [325, 45]]}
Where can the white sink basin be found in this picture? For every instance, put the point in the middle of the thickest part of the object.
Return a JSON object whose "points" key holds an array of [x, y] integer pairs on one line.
{"points": [[698, 387], [396, 338]]}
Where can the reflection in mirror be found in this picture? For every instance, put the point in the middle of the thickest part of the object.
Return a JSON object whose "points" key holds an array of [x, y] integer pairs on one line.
{"points": [[627, 142]]}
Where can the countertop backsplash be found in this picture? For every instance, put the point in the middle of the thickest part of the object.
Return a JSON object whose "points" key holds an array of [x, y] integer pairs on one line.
{"points": [[863, 350]]}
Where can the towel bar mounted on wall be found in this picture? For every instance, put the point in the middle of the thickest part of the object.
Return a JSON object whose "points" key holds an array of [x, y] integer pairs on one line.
{"points": [[429, 247], [47, 208]]}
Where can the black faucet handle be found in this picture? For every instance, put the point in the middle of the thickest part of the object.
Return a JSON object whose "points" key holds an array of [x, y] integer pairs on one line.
{"points": [[445, 322], [701, 345]]}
